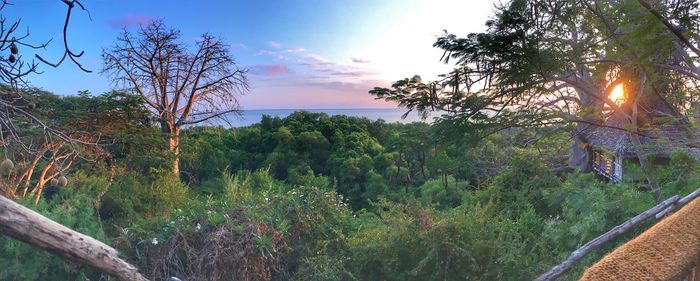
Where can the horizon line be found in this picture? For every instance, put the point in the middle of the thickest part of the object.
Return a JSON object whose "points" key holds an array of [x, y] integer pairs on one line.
{"points": [[346, 108]]}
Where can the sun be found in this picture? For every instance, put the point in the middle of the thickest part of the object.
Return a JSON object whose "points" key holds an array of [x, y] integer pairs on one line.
{"points": [[617, 94]]}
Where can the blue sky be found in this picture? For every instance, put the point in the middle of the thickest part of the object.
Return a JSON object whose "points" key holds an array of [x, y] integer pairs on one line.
{"points": [[301, 53]]}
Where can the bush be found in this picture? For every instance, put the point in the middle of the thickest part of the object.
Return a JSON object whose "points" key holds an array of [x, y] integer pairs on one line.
{"points": [[443, 196], [132, 196], [413, 242], [260, 229]]}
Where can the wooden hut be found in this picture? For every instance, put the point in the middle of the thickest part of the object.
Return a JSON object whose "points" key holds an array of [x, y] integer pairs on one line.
{"points": [[612, 146]]}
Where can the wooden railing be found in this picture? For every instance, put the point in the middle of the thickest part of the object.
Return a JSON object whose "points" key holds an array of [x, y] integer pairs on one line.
{"points": [[606, 173]]}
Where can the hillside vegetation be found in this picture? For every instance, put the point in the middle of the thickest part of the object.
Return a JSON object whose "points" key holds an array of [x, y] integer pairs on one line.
{"points": [[317, 197]]}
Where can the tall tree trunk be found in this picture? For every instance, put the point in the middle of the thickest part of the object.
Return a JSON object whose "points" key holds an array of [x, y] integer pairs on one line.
{"points": [[174, 147], [696, 106], [647, 168], [398, 169], [580, 151], [421, 158], [171, 135]]}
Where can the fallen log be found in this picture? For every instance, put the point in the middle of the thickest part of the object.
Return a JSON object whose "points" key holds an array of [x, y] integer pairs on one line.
{"points": [[28, 226]]}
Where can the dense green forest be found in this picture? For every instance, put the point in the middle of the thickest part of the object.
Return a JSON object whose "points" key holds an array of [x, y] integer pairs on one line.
{"points": [[318, 197], [499, 185]]}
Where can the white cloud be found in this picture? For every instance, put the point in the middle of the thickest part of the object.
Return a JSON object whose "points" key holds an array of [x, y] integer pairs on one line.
{"points": [[398, 43], [312, 69], [274, 45], [360, 60]]}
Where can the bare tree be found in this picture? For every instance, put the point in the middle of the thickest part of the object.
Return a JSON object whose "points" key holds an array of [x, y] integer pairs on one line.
{"points": [[182, 86]]}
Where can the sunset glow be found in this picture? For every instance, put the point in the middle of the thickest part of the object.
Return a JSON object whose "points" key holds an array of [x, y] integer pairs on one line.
{"points": [[300, 54], [617, 94]]}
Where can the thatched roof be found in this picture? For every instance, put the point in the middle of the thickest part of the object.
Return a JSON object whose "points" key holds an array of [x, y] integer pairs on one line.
{"points": [[667, 251], [661, 140]]}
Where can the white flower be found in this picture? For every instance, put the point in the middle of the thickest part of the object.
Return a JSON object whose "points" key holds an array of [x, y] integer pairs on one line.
{"points": [[154, 241], [198, 227]]}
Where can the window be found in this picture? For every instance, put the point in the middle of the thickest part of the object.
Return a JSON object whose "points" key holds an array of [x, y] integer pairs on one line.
{"points": [[609, 167]]}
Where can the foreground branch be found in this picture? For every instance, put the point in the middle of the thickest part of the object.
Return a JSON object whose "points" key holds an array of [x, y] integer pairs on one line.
{"points": [[679, 203], [30, 227], [577, 255]]}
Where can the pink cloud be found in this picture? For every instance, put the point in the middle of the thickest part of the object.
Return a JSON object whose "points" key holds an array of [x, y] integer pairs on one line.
{"points": [[360, 60], [269, 70], [301, 96], [129, 20]]}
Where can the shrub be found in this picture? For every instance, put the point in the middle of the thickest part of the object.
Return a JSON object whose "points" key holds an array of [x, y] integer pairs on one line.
{"points": [[132, 196], [443, 196]]}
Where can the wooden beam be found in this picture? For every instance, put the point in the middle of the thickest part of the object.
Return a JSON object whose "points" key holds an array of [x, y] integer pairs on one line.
{"points": [[28, 226], [681, 202], [579, 253]]}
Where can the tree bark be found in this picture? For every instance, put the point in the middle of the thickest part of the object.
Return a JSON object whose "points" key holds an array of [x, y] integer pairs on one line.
{"points": [[171, 135], [174, 146], [34, 229], [580, 151], [696, 107], [649, 174]]}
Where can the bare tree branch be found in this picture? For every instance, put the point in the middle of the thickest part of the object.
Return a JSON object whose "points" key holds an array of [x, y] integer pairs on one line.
{"points": [[180, 87]]}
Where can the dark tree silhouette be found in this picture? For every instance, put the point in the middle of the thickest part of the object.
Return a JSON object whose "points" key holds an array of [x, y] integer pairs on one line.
{"points": [[546, 63], [14, 68]]}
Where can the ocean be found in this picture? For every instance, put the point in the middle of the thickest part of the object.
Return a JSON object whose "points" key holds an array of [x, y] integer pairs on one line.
{"points": [[390, 115]]}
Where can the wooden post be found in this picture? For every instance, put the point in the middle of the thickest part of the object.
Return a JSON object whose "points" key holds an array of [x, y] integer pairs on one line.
{"points": [[28, 226]]}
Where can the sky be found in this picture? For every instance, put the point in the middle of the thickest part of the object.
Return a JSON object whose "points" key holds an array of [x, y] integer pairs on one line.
{"points": [[301, 54]]}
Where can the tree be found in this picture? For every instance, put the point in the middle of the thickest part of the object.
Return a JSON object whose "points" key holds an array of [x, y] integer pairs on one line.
{"points": [[17, 221], [105, 117], [551, 63], [180, 86]]}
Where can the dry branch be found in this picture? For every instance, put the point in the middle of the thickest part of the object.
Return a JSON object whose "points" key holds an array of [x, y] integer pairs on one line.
{"points": [[34, 229], [679, 203], [579, 253], [180, 87]]}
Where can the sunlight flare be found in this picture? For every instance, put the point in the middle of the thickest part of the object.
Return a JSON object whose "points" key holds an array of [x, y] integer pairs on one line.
{"points": [[617, 94]]}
